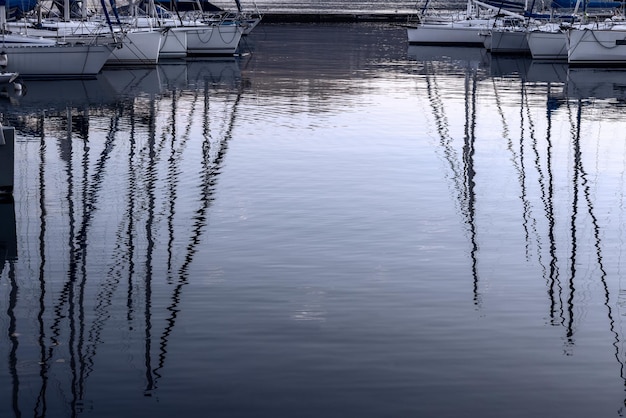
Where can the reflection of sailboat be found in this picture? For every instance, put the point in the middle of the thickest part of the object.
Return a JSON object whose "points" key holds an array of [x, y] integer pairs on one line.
{"points": [[555, 196], [582, 180], [554, 73], [69, 102], [560, 245], [449, 56], [545, 184], [535, 172], [131, 82], [529, 70], [597, 83], [57, 96], [91, 280], [7, 77], [213, 154], [62, 103], [460, 165], [223, 72], [7, 160], [8, 236], [510, 66]]}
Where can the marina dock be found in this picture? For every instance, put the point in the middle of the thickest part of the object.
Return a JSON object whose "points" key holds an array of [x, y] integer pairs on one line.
{"points": [[348, 16]]}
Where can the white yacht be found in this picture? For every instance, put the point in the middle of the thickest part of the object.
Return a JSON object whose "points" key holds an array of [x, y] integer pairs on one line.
{"points": [[39, 57], [600, 45], [463, 28], [548, 41]]}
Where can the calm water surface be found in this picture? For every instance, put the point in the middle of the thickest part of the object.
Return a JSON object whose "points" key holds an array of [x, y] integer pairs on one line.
{"points": [[334, 225]]}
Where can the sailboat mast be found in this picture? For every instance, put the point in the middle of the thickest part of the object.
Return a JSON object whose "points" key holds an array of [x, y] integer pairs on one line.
{"points": [[66, 10], [3, 16]]}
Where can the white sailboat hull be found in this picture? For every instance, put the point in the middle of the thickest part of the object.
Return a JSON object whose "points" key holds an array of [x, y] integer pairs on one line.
{"points": [[509, 42], [547, 45], [213, 39], [597, 46], [174, 44], [56, 61], [174, 40], [464, 33], [135, 47], [138, 48]]}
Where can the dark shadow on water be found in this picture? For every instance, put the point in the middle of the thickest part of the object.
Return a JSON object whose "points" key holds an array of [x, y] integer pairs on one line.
{"points": [[8, 235]]}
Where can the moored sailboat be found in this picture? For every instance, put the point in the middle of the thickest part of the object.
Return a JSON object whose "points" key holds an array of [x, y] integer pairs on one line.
{"points": [[603, 45], [32, 56], [548, 42], [458, 29]]}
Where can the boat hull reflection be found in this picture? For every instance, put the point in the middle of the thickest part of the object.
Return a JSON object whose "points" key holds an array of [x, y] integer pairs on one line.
{"points": [[8, 234]]}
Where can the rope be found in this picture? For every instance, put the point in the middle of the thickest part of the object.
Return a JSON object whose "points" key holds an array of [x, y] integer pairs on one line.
{"points": [[598, 41]]}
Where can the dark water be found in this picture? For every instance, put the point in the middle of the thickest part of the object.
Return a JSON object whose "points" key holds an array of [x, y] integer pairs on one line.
{"points": [[333, 225]]}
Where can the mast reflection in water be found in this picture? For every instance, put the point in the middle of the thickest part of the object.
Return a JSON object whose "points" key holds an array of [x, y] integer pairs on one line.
{"points": [[104, 166], [358, 230]]}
